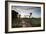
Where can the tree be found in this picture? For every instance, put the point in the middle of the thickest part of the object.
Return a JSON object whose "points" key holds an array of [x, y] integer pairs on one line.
{"points": [[14, 14], [30, 15]]}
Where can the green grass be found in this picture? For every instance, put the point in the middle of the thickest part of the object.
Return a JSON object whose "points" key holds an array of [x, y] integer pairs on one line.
{"points": [[36, 22]]}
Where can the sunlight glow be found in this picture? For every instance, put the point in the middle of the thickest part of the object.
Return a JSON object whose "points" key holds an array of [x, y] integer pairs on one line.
{"points": [[22, 15]]}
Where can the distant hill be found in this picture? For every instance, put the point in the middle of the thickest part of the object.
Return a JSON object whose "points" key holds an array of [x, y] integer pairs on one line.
{"points": [[36, 17]]}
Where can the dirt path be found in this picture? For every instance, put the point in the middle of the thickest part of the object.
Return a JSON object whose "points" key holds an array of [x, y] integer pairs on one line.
{"points": [[25, 23]]}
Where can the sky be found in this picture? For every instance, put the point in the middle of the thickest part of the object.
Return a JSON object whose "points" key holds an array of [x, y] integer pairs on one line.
{"points": [[36, 12], [26, 10]]}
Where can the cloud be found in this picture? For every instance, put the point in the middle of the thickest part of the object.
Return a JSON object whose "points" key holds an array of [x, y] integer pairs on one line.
{"points": [[26, 10]]}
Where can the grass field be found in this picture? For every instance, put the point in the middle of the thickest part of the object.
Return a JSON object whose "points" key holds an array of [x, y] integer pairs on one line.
{"points": [[36, 22], [33, 22]]}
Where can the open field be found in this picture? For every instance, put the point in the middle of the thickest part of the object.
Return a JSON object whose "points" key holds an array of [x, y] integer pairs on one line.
{"points": [[26, 22], [36, 22]]}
